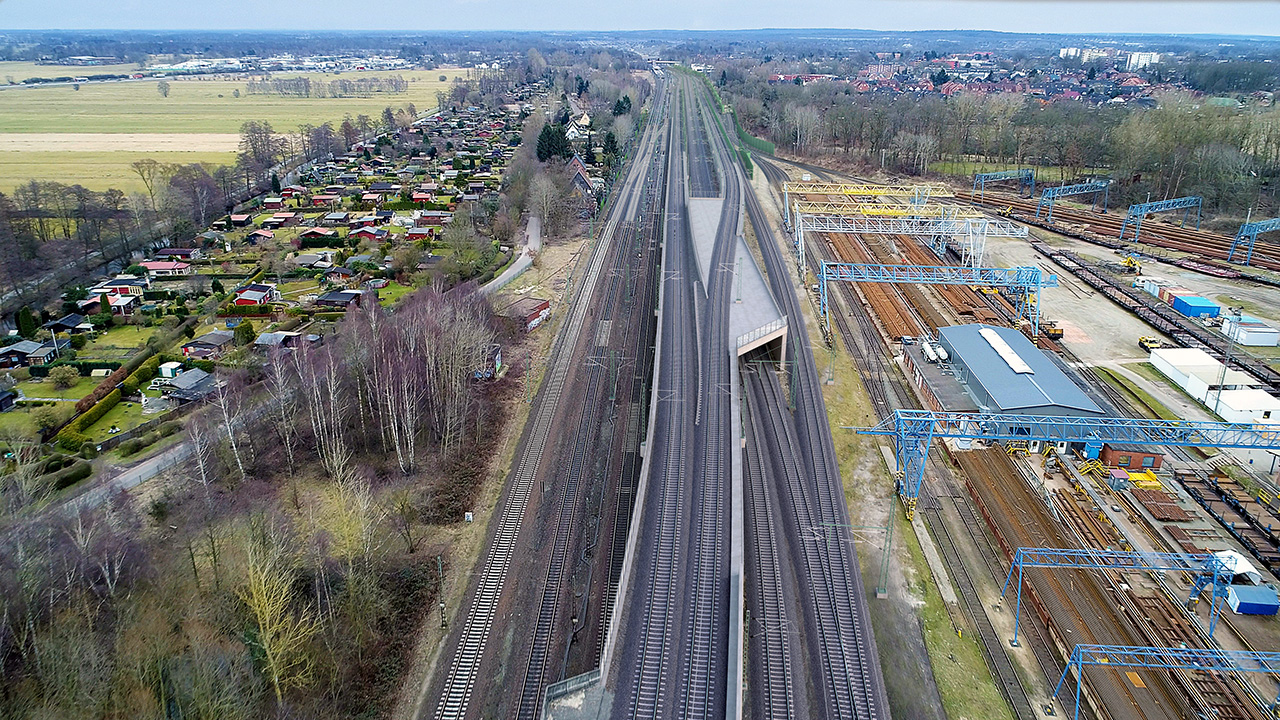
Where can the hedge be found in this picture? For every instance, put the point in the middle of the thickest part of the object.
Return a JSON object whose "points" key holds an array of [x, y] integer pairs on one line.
{"points": [[239, 310], [85, 367], [70, 476], [134, 445], [144, 373], [104, 388], [71, 436]]}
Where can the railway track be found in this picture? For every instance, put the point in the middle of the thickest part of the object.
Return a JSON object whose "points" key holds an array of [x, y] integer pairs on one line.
{"points": [[770, 626], [668, 480], [1095, 226], [481, 607], [852, 685]]}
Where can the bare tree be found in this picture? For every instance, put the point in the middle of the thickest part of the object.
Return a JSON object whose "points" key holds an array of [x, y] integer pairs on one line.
{"points": [[227, 402], [321, 387], [284, 633]]}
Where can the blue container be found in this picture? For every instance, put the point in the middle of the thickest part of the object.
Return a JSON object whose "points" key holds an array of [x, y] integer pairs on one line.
{"points": [[1092, 450], [1253, 599], [1195, 306]]}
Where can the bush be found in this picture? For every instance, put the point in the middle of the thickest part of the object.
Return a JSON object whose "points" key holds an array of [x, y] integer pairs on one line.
{"points": [[64, 376], [70, 476], [79, 341]]}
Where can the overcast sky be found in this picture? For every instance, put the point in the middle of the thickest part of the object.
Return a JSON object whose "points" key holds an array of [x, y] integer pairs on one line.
{"points": [[1046, 16]]}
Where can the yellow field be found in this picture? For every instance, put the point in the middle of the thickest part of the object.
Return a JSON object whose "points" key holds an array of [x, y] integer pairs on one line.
{"points": [[198, 107]]}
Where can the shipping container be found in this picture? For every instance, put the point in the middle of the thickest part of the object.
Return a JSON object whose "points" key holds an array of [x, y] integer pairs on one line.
{"points": [[1253, 599], [1195, 306]]}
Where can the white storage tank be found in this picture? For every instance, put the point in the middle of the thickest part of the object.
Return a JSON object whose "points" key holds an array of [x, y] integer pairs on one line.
{"points": [[941, 352]]}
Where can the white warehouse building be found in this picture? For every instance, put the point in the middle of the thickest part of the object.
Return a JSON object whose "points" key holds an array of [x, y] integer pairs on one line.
{"points": [[1199, 374]]}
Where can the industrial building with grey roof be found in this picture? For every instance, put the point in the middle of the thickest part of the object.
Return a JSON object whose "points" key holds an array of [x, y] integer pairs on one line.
{"points": [[1005, 373]]}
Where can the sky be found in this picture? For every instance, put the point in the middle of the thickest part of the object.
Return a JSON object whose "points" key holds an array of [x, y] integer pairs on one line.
{"points": [[1259, 17]]}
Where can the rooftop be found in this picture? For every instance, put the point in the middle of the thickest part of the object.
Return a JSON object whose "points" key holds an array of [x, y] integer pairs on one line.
{"points": [[1013, 372]]}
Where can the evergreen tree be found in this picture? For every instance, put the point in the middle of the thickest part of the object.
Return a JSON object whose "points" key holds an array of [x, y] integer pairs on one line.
{"points": [[552, 142], [26, 323], [610, 144], [544, 143], [244, 333], [218, 287], [275, 183]]}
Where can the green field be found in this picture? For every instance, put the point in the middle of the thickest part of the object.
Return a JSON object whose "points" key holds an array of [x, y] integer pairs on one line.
{"points": [[194, 106], [94, 170]]}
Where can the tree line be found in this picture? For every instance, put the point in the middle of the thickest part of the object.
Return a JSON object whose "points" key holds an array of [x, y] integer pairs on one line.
{"points": [[1183, 146], [304, 87]]}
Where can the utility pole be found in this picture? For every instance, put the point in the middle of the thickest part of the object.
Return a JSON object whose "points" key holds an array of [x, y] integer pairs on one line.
{"points": [[444, 622], [1226, 360]]}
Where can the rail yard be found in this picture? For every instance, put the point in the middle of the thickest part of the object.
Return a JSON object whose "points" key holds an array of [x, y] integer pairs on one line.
{"points": [[690, 554]]}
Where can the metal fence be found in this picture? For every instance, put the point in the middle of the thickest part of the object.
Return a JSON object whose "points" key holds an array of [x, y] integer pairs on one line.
{"points": [[750, 337]]}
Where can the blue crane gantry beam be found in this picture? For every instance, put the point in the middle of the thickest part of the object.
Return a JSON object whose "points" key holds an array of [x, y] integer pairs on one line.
{"points": [[1141, 210], [916, 429], [1209, 570], [1053, 193], [1026, 281], [1159, 658], [1026, 179], [1249, 235]]}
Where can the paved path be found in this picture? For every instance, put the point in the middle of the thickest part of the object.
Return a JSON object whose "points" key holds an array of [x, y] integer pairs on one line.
{"points": [[532, 246]]}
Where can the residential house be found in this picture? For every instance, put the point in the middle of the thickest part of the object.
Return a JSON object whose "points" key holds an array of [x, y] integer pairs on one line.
{"points": [[369, 233], [314, 260], [210, 345], [325, 199], [7, 400], [340, 299], [319, 233], [579, 177], [121, 285], [259, 235], [279, 338], [340, 275], [292, 191], [371, 198], [257, 294], [241, 220], [15, 355], [335, 219], [273, 203], [282, 219], [124, 304], [72, 324], [29, 353], [167, 268], [179, 254], [194, 384]]}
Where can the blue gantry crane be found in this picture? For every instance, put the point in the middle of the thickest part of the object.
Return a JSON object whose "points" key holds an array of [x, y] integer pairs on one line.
{"points": [[1051, 194], [1248, 235], [1161, 658], [916, 429], [1141, 210], [1208, 570], [1026, 282], [1026, 181]]}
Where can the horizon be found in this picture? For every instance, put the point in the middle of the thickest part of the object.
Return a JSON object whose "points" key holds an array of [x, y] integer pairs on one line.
{"points": [[1237, 18]]}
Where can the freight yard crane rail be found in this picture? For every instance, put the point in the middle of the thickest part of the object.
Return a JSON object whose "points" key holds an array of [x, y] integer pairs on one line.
{"points": [[915, 430]]}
